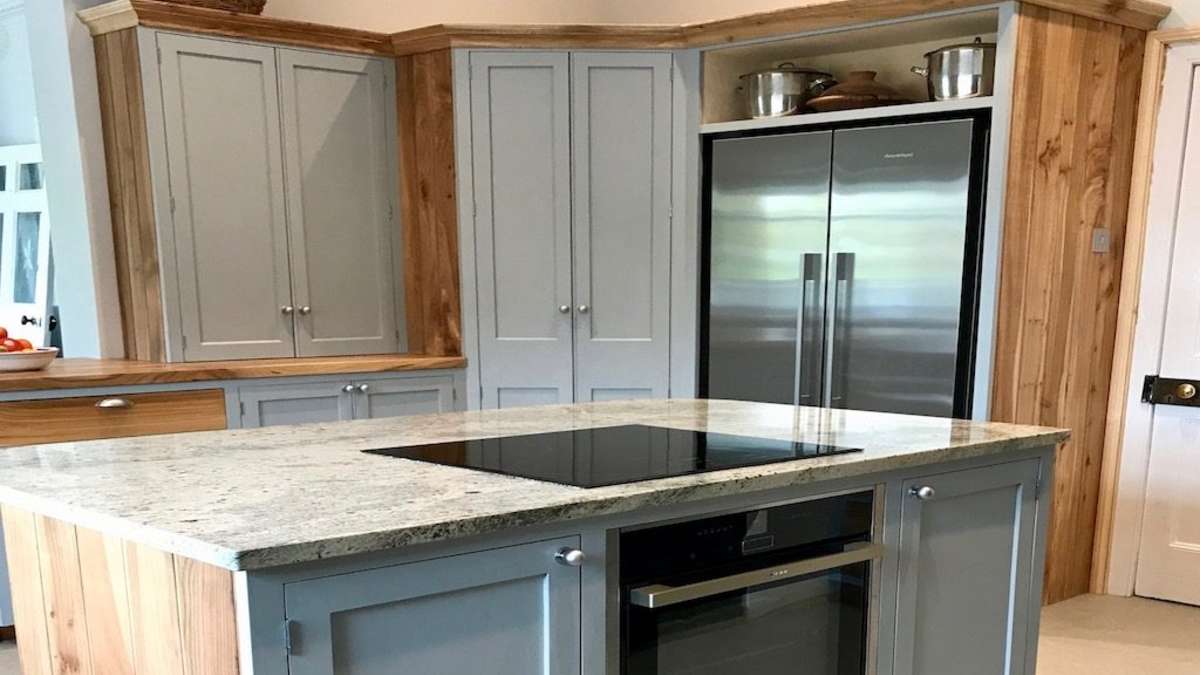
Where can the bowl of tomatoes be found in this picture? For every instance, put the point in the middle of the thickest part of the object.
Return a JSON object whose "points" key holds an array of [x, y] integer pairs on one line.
{"points": [[18, 354]]}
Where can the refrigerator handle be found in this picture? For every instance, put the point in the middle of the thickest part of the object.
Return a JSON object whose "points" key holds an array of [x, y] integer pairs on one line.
{"points": [[839, 312], [809, 364]]}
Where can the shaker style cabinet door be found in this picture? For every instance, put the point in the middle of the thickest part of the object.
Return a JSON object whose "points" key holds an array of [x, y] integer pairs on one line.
{"points": [[338, 163], [221, 110], [511, 611], [271, 405], [520, 136], [966, 571], [399, 396], [621, 159]]}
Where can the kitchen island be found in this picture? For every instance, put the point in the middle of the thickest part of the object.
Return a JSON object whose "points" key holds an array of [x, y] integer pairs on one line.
{"points": [[289, 550]]}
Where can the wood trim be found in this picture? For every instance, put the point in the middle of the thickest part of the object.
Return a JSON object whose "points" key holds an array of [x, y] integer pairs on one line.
{"points": [[539, 36], [428, 198], [1153, 69], [1076, 92], [127, 160], [85, 602], [55, 420], [8, 633]]}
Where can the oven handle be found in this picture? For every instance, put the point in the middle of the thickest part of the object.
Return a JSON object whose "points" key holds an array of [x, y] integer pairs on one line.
{"points": [[653, 597]]}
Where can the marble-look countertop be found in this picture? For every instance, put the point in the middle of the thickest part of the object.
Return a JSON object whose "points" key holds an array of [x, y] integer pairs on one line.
{"points": [[260, 498]]}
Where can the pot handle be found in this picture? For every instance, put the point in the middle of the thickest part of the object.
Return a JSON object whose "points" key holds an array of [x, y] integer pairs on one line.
{"points": [[786, 64], [923, 72]]}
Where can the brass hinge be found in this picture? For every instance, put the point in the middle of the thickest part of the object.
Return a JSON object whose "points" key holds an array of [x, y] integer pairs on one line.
{"points": [[1171, 391]]}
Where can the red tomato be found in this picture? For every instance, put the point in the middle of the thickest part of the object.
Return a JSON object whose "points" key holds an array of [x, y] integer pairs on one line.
{"points": [[10, 345], [3, 333], [24, 344]]}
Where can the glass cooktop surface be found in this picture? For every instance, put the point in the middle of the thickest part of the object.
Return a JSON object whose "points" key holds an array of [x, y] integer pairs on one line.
{"points": [[612, 455]]}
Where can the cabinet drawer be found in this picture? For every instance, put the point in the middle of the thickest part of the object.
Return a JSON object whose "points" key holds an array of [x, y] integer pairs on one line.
{"points": [[84, 418]]}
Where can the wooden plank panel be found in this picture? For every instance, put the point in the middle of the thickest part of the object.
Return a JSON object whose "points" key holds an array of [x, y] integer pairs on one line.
{"points": [[154, 609], [1069, 174], [62, 588], [25, 577], [429, 211], [78, 419], [208, 627], [106, 596]]}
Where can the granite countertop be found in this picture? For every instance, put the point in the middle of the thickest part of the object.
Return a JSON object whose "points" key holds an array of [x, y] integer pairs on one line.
{"points": [[259, 498]]}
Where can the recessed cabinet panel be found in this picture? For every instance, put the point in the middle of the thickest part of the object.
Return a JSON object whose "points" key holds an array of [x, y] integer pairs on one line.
{"points": [[339, 179], [278, 404], [621, 127], [221, 111], [404, 396], [520, 140]]}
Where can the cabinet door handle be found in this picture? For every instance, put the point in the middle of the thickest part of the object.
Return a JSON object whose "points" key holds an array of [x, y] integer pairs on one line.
{"points": [[287, 310], [349, 389], [584, 309], [571, 557], [362, 388], [114, 403], [305, 310], [924, 492], [564, 309]]}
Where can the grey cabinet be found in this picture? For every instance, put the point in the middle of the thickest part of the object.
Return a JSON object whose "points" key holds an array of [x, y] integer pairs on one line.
{"points": [[572, 188], [967, 575], [510, 611], [333, 400], [280, 174]]}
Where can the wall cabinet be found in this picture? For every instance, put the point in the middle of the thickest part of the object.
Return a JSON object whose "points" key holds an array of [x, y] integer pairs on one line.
{"points": [[341, 400], [510, 611], [967, 575], [571, 164], [279, 183]]}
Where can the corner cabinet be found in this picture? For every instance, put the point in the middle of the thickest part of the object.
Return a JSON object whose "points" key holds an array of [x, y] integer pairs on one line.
{"points": [[571, 181], [968, 583], [509, 611], [277, 176]]}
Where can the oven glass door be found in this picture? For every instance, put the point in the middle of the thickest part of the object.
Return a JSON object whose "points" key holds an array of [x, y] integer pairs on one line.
{"points": [[811, 625]]}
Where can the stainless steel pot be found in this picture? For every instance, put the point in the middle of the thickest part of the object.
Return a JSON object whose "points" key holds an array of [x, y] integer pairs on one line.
{"points": [[960, 71], [782, 90]]}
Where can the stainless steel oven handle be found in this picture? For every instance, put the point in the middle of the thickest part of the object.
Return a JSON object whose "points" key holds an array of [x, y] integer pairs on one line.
{"points": [[656, 596]]}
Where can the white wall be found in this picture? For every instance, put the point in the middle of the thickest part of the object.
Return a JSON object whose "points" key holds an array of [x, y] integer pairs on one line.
{"points": [[18, 114], [1184, 13]]}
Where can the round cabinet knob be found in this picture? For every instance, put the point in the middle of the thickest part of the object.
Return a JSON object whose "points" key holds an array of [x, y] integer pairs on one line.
{"points": [[305, 310], [1186, 391], [362, 388], [924, 493], [287, 310], [583, 309], [571, 557], [564, 309], [349, 389]]}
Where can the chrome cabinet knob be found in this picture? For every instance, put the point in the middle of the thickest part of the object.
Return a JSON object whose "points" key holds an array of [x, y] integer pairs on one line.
{"points": [[571, 557], [287, 310], [305, 310], [924, 493], [362, 388], [349, 389], [114, 403], [564, 309], [583, 309]]}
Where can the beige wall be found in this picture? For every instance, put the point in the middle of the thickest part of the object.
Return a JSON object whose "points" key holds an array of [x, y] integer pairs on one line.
{"points": [[393, 15]]}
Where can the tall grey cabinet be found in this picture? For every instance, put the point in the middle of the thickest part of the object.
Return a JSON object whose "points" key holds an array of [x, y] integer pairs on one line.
{"points": [[571, 171], [279, 176]]}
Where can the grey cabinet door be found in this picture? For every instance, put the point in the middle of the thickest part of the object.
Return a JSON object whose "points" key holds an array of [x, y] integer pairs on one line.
{"points": [[966, 572], [337, 160], [294, 403], [396, 397], [621, 159], [511, 611], [520, 136], [221, 110]]}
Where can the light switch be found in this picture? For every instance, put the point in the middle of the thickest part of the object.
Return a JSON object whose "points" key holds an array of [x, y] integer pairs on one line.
{"points": [[1101, 240]]}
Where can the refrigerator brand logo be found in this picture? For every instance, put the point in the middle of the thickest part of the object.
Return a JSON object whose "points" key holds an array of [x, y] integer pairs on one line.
{"points": [[900, 155]]}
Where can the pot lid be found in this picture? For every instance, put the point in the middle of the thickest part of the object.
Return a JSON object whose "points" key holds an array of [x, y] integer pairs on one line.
{"points": [[786, 67], [977, 44]]}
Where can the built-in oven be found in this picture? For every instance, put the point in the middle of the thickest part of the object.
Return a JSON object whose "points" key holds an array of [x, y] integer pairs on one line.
{"points": [[777, 591]]}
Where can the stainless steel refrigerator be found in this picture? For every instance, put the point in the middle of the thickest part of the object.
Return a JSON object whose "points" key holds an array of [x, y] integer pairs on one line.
{"points": [[841, 266]]}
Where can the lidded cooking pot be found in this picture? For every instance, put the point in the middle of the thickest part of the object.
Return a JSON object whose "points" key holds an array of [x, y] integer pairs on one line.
{"points": [[960, 71], [783, 90]]}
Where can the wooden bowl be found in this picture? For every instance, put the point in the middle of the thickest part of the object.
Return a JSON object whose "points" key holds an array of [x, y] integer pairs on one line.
{"points": [[13, 362]]}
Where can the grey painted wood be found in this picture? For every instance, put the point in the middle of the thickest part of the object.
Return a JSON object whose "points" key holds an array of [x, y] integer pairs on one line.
{"points": [[221, 114], [965, 562], [294, 403], [6, 610], [400, 396], [337, 158], [511, 611], [685, 225], [521, 167], [621, 159]]}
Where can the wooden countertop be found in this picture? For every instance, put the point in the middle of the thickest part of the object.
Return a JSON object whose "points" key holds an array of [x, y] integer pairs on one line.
{"points": [[80, 373]]}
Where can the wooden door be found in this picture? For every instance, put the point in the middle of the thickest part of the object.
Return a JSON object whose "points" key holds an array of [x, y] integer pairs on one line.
{"points": [[338, 141], [511, 611], [24, 245], [295, 403], [966, 583], [221, 109], [400, 396], [621, 159], [520, 137], [1168, 564]]}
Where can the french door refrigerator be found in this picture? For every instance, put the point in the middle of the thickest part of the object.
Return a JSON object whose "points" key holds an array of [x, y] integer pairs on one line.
{"points": [[841, 266]]}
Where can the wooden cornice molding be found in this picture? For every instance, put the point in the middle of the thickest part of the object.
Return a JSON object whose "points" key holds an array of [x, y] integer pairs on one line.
{"points": [[121, 14]]}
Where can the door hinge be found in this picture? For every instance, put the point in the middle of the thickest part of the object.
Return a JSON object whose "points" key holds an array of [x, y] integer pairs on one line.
{"points": [[183, 339], [158, 54], [242, 408], [289, 635], [1171, 391], [172, 204]]}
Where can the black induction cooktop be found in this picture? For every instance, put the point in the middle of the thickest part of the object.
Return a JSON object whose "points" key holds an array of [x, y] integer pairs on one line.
{"points": [[612, 455]]}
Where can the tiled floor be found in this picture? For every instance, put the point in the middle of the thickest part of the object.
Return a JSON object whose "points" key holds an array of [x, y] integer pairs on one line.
{"points": [[1089, 635]]}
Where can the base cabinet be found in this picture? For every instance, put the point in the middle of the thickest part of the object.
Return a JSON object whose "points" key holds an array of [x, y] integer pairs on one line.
{"points": [[341, 400], [968, 584], [509, 611]]}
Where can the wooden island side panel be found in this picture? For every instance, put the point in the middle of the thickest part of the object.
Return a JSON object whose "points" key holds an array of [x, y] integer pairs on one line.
{"points": [[90, 603], [1070, 163]]}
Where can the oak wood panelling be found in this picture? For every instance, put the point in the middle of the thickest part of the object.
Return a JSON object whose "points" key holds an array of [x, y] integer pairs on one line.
{"points": [[1077, 83], [429, 207], [90, 603], [127, 160], [79, 419]]}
